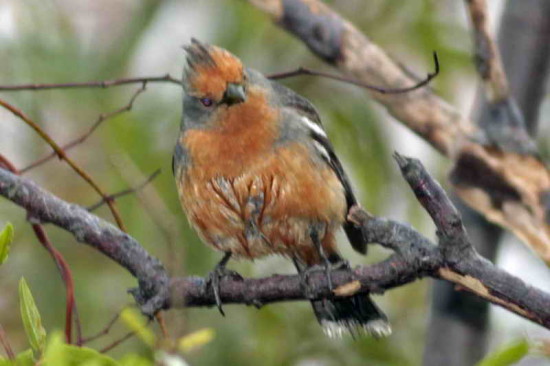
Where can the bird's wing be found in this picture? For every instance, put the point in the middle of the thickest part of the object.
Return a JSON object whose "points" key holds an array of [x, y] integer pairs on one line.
{"points": [[307, 116]]}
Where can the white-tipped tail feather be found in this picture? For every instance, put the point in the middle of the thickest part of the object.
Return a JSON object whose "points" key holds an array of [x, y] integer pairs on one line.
{"points": [[357, 315], [377, 328]]}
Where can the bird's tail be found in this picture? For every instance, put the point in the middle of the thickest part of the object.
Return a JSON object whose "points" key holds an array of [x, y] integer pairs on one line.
{"points": [[355, 315]]}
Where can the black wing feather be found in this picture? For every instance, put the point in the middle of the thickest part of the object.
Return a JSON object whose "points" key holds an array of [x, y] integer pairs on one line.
{"points": [[354, 234], [302, 106]]}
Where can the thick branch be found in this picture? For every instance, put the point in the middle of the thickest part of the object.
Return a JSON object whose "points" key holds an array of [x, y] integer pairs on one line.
{"points": [[487, 57], [90, 229], [502, 181], [458, 333], [504, 126], [393, 272], [341, 44], [416, 257], [71, 309]]}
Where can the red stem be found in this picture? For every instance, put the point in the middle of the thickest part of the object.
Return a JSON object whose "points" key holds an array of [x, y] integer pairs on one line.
{"points": [[62, 265], [65, 275]]}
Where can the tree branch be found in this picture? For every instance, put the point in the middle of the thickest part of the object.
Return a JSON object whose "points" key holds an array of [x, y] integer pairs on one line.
{"points": [[507, 182], [305, 71], [103, 84], [102, 118], [341, 44], [124, 192], [504, 126], [458, 333], [6, 344], [416, 257], [71, 309], [487, 58], [61, 154], [94, 231]]}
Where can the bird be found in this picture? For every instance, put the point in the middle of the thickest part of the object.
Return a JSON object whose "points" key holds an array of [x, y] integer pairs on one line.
{"points": [[257, 175]]}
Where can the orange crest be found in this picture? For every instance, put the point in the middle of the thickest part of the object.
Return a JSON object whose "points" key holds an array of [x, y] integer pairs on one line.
{"points": [[210, 70]]}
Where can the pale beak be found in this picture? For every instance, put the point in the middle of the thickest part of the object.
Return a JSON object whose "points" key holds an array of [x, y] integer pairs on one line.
{"points": [[234, 94]]}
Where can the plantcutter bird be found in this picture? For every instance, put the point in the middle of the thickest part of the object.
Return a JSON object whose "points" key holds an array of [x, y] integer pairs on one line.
{"points": [[257, 175]]}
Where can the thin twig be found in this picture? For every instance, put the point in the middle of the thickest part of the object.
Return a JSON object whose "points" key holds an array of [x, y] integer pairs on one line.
{"points": [[66, 276], [8, 164], [92, 84], [117, 342], [6, 344], [379, 89], [59, 151], [102, 118], [125, 192], [160, 214], [78, 325], [162, 325], [102, 332], [120, 340]]}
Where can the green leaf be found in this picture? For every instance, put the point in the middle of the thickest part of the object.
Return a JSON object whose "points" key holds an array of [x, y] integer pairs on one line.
{"points": [[54, 353], [36, 334], [86, 356], [135, 322], [134, 360], [90, 362], [506, 356], [6, 237], [195, 340], [24, 358], [58, 353]]}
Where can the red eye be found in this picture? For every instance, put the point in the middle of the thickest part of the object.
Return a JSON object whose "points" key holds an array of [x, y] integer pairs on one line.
{"points": [[207, 102]]}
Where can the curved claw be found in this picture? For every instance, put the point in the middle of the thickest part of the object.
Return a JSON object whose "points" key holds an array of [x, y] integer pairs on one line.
{"points": [[213, 283], [215, 277]]}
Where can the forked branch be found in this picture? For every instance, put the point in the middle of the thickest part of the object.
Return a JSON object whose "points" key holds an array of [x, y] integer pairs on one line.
{"points": [[454, 259], [496, 170]]}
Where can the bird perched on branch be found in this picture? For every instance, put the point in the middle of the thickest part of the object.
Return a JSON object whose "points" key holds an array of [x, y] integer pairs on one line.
{"points": [[257, 175]]}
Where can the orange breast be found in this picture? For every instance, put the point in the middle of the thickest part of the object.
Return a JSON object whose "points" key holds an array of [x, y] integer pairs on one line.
{"points": [[243, 134], [247, 197]]}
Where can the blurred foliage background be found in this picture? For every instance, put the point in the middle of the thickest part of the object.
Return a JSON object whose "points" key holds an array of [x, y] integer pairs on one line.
{"points": [[79, 40]]}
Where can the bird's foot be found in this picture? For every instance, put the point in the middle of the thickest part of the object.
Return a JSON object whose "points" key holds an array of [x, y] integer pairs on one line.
{"points": [[213, 282], [340, 264], [327, 267]]}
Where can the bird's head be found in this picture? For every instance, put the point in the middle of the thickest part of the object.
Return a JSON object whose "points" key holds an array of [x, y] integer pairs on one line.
{"points": [[221, 93], [213, 77]]}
